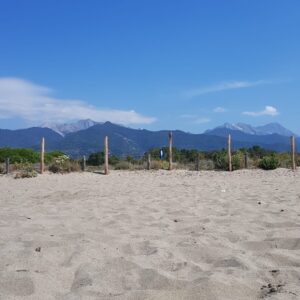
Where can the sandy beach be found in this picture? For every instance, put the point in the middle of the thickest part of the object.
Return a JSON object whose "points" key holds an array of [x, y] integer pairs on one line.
{"points": [[151, 235]]}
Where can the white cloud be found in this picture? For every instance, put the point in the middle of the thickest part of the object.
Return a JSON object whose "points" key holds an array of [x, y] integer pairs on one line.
{"points": [[223, 86], [268, 111], [34, 103], [202, 120], [220, 109]]}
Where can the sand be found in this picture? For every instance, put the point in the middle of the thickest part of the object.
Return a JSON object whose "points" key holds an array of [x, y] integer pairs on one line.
{"points": [[151, 235]]}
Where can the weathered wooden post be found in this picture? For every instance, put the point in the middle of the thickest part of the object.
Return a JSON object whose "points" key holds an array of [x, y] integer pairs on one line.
{"points": [[106, 155], [229, 153], [7, 168], [293, 153], [170, 151], [42, 163], [149, 161], [83, 163], [246, 160]]}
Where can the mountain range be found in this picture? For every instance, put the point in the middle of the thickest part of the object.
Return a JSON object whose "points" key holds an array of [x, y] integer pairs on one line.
{"points": [[86, 136], [271, 128]]}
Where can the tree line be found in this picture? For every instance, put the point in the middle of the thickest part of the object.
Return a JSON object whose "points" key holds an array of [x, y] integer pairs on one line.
{"points": [[256, 157]]}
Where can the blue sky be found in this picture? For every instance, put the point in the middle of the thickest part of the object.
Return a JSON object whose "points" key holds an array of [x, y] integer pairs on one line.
{"points": [[169, 64]]}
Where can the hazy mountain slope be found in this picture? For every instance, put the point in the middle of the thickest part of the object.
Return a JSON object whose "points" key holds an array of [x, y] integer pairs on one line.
{"points": [[274, 128], [29, 138]]}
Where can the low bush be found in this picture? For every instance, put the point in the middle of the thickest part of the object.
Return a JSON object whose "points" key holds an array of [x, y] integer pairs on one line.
{"points": [[23, 166], [26, 174], [25, 171], [63, 164], [220, 160], [124, 165], [238, 160], [95, 159], [113, 160], [269, 163]]}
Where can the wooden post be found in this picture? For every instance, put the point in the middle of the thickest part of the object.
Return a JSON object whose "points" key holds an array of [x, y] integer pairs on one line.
{"points": [[170, 151], [246, 160], [7, 168], [293, 153], [149, 161], [106, 155], [229, 153], [83, 163], [42, 163]]}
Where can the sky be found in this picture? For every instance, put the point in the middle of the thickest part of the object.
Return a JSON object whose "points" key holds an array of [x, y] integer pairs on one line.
{"points": [[189, 65]]}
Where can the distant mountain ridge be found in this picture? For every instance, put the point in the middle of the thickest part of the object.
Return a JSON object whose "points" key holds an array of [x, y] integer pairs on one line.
{"points": [[268, 129], [28, 138], [128, 141]]}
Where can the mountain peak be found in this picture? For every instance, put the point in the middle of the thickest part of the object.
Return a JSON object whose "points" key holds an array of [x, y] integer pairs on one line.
{"points": [[268, 129], [66, 128]]}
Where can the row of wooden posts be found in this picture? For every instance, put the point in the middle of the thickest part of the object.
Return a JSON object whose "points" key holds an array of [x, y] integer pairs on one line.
{"points": [[106, 166]]}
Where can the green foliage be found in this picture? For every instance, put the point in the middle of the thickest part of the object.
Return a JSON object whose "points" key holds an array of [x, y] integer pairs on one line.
{"points": [[113, 160], [270, 162], [96, 159], [181, 156], [220, 160], [50, 156], [257, 152], [23, 155], [129, 159], [63, 164], [238, 160]]}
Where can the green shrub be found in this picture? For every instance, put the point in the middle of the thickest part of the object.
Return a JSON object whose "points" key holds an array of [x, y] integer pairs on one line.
{"points": [[50, 156], [113, 160], [63, 164], [25, 166], [220, 160], [96, 159], [20, 155], [238, 160], [270, 162]]}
